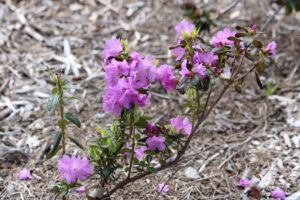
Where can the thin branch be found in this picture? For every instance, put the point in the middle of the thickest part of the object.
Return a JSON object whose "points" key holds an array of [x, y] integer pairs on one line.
{"points": [[206, 103], [131, 133], [61, 108]]}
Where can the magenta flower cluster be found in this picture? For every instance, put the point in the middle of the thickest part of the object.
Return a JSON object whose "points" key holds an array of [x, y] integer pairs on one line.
{"points": [[162, 187], [202, 61], [129, 77], [182, 125], [73, 168], [156, 141], [221, 38], [279, 194], [25, 174], [244, 182]]}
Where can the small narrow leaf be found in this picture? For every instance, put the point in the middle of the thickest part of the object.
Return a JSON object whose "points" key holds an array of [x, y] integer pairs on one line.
{"points": [[106, 171], [234, 39], [152, 170], [56, 147], [240, 35], [151, 152], [76, 142], [238, 85], [54, 90], [241, 28], [53, 152], [52, 101], [259, 83], [62, 124], [260, 67], [141, 122], [257, 44], [71, 118], [94, 152]]}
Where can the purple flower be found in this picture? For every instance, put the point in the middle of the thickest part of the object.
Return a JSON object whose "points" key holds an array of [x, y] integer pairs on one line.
{"points": [[151, 129], [127, 81], [123, 95], [73, 168], [253, 28], [115, 70], [112, 48], [182, 125], [162, 187], [279, 194], [25, 174], [80, 189], [184, 70], [127, 146], [184, 27], [140, 153], [111, 99], [244, 182], [271, 48], [221, 38], [200, 70], [156, 143], [142, 72], [166, 76], [179, 52], [208, 58]]}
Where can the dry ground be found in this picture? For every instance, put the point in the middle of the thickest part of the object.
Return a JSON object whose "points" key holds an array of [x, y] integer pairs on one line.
{"points": [[249, 133]]}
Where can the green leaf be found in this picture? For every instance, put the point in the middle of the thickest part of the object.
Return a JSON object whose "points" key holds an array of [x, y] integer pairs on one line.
{"points": [[152, 170], [62, 124], [56, 147], [238, 85], [271, 89], [71, 118], [241, 28], [141, 122], [297, 5], [151, 152], [240, 35], [106, 171], [234, 39], [259, 83], [288, 8], [52, 101], [201, 84], [250, 57], [54, 90], [257, 44], [53, 152], [260, 67], [56, 189], [94, 152], [76, 142]]}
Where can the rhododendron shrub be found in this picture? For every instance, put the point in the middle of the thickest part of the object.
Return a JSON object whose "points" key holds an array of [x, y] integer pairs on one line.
{"points": [[135, 146]]}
